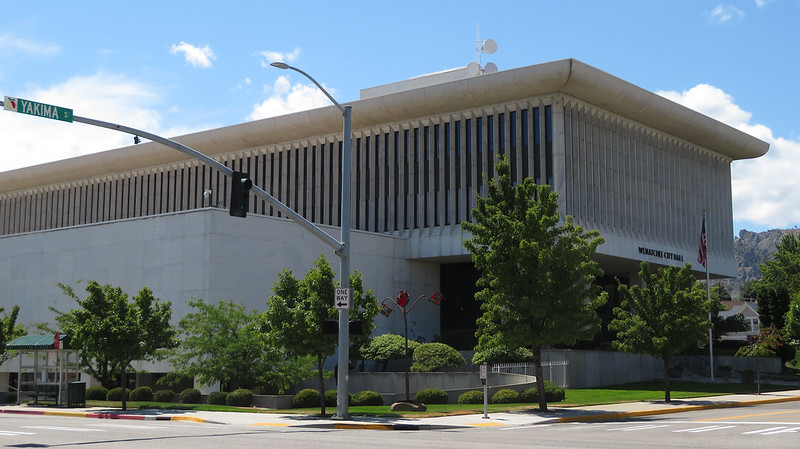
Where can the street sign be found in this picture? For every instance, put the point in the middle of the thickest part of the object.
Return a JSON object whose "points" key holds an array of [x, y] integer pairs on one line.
{"points": [[37, 109], [342, 299]]}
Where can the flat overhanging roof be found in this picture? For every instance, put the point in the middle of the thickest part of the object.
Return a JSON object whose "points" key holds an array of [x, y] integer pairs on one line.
{"points": [[569, 76], [35, 342]]}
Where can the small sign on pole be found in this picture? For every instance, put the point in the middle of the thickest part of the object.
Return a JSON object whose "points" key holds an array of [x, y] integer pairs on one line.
{"points": [[342, 299], [484, 375]]}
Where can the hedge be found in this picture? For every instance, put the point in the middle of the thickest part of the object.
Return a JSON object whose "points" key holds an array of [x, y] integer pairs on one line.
{"points": [[471, 397], [98, 393], [505, 396], [141, 394], [306, 398], [367, 397], [164, 396], [240, 398], [552, 393], [218, 398], [431, 396], [191, 396]]}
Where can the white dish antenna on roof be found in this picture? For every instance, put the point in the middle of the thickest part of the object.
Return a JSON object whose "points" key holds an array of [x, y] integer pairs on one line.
{"points": [[488, 46]]}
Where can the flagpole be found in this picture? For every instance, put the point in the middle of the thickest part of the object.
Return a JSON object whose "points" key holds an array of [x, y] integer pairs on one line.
{"points": [[708, 297]]}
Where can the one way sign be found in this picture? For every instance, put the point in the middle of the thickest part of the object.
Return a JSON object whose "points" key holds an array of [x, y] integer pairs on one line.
{"points": [[342, 299]]}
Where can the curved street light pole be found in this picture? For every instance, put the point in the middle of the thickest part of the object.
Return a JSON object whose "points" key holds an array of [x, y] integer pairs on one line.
{"points": [[344, 252]]}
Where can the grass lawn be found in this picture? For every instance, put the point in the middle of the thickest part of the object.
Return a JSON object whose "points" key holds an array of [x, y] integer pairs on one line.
{"points": [[640, 391]]}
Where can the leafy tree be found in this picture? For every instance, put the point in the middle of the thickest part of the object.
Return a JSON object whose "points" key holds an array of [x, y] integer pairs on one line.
{"points": [[536, 271], [501, 354], [765, 345], [9, 330], [663, 317], [791, 331], [387, 347], [297, 310], [433, 356], [224, 342], [112, 332], [780, 279]]}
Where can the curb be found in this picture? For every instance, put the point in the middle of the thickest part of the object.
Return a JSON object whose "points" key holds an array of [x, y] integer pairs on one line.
{"points": [[109, 416], [666, 411], [374, 426]]}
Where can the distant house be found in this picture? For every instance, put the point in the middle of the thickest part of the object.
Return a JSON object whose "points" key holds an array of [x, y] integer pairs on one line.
{"points": [[749, 310]]}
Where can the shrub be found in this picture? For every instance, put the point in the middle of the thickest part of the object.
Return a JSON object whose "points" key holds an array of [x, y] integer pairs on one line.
{"points": [[191, 396], [141, 394], [306, 399], [505, 396], [471, 397], [330, 398], [431, 396], [367, 397], [164, 396], [114, 394], [240, 398], [432, 356], [98, 393], [501, 354], [218, 398], [552, 393]]}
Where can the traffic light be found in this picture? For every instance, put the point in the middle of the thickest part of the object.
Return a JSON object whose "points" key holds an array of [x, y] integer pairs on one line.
{"points": [[240, 194]]}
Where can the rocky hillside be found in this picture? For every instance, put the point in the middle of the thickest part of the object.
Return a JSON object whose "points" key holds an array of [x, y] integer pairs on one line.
{"points": [[751, 248]]}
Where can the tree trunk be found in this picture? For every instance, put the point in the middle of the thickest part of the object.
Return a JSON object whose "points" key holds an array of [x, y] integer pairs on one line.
{"points": [[124, 384], [321, 385], [537, 362], [666, 380]]}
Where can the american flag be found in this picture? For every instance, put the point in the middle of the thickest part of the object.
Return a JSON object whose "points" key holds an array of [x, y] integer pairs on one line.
{"points": [[702, 252]]}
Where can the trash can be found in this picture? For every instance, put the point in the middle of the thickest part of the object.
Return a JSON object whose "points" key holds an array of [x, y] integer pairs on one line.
{"points": [[76, 394]]}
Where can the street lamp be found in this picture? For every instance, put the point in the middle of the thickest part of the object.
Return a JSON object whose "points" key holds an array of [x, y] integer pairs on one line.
{"points": [[344, 252]]}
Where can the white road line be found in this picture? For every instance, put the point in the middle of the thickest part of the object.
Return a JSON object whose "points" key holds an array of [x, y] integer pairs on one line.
{"points": [[637, 428], [793, 430], [528, 426], [763, 430], [8, 433], [63, 429], [703, 429]]}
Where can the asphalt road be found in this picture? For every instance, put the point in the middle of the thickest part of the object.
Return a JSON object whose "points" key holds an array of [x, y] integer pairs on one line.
{"points": [[773, 426]]}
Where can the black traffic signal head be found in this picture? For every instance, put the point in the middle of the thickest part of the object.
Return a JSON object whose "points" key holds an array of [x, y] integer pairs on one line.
{"points": [[240, 194]]}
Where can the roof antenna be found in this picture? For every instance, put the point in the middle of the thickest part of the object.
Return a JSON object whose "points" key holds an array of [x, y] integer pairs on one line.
{"points": [[488, 46]]}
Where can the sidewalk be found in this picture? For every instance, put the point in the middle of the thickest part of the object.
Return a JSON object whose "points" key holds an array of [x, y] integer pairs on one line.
{"points": [[532, 417]]}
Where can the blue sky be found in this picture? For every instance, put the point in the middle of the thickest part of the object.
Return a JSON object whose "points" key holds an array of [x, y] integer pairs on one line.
{"points": [[173, 67]]}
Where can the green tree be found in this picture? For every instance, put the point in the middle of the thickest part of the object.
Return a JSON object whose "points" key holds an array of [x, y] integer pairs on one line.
{"points": [[112, 331], [536, 282], [780, 279], [387, 347], [765, 345], [663, 317], [434, 356], [297, 310], [224, 342], [9, 330]]}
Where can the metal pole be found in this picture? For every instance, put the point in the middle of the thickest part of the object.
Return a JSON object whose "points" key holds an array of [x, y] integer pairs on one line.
{"points": [[344, 269], [708, 298]]}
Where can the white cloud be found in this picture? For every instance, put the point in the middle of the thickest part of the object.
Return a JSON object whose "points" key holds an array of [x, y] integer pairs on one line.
{"points": [[723, 14], [196, 56], [111, 98], [285, 98], [275, 56], [10, 44], [764, 189]]}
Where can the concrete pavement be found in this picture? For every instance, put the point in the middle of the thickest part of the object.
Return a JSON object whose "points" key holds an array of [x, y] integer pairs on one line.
{"points": [[522, 418]]}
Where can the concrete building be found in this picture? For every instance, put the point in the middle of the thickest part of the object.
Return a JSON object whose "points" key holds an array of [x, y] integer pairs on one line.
{"points": [[632, 164]]}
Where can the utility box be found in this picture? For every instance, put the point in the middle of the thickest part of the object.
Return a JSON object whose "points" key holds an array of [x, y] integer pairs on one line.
{"points": [[76, 394]]}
